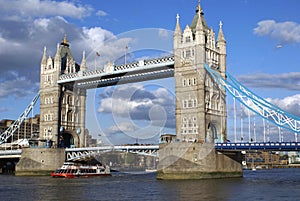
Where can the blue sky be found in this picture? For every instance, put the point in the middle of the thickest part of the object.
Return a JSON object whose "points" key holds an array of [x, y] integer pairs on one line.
{"points": [[263, 43]]}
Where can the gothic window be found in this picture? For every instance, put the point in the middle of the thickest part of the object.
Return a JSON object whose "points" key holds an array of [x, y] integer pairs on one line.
{"points": [[188, 39], [189, 82], [184, 82], [195, 103], [184, 104], [194, 81], [190, 103], [70, 100], [69, 116], [188, 53], [45, 132]]}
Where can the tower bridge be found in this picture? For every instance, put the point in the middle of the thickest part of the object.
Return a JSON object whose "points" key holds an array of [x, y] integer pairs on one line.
{"points": [[198, 65]]}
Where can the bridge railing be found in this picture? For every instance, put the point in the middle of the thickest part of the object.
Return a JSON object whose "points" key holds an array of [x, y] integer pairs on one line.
{"points": [[137, 65], [271, 146]]}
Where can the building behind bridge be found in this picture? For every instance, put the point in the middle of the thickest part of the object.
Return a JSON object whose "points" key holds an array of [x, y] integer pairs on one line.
{"points": [[28, 129]]}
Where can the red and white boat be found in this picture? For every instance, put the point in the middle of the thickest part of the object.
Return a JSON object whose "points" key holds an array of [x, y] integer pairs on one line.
{"points": [[71, 170]]}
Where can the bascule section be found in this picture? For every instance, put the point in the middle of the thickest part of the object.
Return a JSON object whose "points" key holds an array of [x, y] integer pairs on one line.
{"points": [[62, 107], [200, 106]]}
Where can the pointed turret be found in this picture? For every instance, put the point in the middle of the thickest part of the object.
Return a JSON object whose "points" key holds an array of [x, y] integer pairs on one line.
{"points": [[221, 37], [221, 44], [177, 28], [199, 26], [44, 60], [57, 55], [177, 33], [83, 62], [198, 20], [65, 42]]}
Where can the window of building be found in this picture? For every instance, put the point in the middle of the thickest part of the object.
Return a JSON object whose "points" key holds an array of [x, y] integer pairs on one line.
{"points": [[188, 53], [188, 39]]}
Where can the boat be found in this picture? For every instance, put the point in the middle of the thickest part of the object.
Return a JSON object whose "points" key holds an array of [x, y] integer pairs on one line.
{"points": [[72, 170], [150, 170]]}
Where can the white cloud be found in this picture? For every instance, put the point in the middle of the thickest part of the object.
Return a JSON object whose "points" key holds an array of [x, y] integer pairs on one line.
{"points": [[18, 9], [123, 127], [101, 13], [283, 32], [289, 81], [135, 102], [17, 86], [163, 33], [290, 104]]}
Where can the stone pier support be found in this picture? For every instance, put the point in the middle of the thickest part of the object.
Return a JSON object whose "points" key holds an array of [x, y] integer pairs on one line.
{"points": [[39, 161], [183, 160]]}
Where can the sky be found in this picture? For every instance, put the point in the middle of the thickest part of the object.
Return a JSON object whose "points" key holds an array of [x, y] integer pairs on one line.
{"points": [[263, 45]]}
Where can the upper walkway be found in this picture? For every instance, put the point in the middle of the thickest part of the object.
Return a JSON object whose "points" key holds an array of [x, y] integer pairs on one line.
{"points": [[125, 73]]}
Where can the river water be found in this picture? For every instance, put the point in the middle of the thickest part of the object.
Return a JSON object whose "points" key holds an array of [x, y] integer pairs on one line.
{"points": [[274, 184]]}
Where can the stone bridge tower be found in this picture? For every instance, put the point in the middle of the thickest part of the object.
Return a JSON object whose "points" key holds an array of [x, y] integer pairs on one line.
{"points": [[200, 107], [200, 104], [62, 108]]}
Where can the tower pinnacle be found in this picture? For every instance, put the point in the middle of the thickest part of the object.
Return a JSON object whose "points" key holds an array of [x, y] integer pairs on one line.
{"points": [[65, 41]]}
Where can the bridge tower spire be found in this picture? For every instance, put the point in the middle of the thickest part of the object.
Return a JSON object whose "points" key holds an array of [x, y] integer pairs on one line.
{"points": [[200, 106], [62, 108]]}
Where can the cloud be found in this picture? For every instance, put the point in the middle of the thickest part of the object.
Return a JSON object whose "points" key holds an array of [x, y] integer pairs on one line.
{"points": [[22, 40], [101, 13], [283, 32], [289, 81], [290, 104], [20, 9], [135, 102], [17, 86], [163, 33], [120, 128]]}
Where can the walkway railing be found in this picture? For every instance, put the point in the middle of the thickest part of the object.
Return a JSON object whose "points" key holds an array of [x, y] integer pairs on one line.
{"points": [[267, 146]]}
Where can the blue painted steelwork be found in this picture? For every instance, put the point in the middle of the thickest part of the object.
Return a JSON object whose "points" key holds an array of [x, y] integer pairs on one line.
{"points": [[267, 146], [256, 104]]}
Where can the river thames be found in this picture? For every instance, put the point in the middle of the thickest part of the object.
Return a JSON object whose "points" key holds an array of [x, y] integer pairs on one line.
{"points": [[273, 184]]}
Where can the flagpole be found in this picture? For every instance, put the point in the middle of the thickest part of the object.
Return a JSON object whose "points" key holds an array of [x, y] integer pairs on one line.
{"points": [[97, 55]]}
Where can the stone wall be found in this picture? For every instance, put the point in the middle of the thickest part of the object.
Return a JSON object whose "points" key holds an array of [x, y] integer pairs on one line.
{"points": [[185, 160], [39, 161]]}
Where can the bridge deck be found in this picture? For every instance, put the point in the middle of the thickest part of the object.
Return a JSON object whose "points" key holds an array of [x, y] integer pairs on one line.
{"points": [[267, 146]]}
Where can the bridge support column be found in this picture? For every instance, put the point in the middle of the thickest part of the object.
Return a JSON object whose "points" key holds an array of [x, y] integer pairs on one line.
{"points": [[185, 160], [39, 161]]}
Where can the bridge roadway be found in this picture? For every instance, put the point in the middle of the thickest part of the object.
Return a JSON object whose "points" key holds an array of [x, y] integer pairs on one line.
{"points": [[262, 146], [73, 154], [125, 73]]}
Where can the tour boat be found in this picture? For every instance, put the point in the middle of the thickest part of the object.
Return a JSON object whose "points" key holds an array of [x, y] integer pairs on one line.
{"points": [[71, 170]]}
